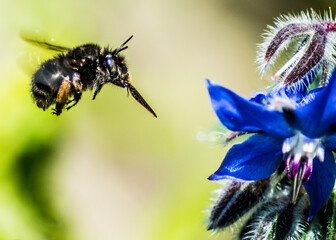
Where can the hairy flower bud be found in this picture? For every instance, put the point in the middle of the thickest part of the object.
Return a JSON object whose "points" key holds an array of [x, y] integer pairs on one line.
{"points": [[313, 40], [237, 199], [277, 219]]}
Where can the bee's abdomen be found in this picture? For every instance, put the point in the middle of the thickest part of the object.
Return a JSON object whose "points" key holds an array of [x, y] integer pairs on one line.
{"points": [[46, 82]]}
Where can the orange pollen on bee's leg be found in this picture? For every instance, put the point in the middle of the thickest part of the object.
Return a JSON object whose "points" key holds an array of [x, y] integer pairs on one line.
{"points": [[64, 91]]}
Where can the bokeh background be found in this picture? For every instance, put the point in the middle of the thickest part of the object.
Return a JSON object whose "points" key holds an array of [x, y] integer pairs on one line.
{"points": [[107, 169]]}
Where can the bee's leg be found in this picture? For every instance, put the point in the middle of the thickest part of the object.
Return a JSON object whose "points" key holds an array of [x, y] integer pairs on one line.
{"points": [[78, 86], [117, 82], [62, 96], [98, 88], [76, 99], [100, 81], [77, 83]]}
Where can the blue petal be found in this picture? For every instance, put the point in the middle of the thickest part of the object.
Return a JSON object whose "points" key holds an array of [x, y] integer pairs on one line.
{"points": [[238, 114], [315, 118], [310, 96], [256, 158], [258, 97], [321, 183], [330, 143], [289, 92]]}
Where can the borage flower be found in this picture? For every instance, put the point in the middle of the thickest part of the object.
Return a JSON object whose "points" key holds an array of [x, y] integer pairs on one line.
{"points": [[304, 137]]}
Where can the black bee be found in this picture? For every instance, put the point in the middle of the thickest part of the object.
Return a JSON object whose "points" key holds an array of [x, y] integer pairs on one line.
{"points": [[62, 80]]}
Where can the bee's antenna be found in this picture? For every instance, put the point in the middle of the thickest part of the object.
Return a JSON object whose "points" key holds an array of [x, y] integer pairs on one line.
{"points": [[122, 46], [121, 49]]}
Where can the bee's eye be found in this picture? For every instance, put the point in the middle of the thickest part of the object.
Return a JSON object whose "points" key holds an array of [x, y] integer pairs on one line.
{"points": [[109, 61]]}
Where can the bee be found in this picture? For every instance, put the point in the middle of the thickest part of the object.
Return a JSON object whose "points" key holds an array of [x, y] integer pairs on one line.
{"points": [[61, 80]]}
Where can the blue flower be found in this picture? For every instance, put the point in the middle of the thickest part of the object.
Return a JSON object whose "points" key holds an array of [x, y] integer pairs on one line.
{"points": [[302, 135]]}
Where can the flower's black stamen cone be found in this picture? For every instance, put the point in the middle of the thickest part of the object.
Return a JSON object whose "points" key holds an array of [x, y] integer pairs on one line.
{"points": [[297, 183], [290, 115]]}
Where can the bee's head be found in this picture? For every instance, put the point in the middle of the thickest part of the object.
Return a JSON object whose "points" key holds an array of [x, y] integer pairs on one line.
{"points": [[117, 67], [120, 75]]}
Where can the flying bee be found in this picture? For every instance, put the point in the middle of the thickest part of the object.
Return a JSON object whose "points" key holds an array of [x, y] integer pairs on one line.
{"points": [[62, 79]]}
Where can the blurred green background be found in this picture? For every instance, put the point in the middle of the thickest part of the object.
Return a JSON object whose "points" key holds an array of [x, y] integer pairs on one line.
{"points": [[107, 169]]}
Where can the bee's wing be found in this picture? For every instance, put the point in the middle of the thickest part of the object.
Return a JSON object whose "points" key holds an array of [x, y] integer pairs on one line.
{"points": [[136, 95], [43, 44]]}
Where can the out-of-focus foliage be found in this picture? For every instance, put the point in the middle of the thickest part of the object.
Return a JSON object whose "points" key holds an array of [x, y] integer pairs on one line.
{"points": [[27, 142]]}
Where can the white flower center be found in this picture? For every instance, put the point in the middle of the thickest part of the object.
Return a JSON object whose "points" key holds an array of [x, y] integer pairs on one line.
{"points": [[300, 152]]}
